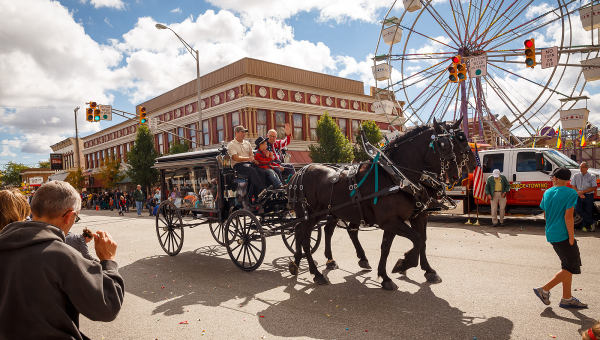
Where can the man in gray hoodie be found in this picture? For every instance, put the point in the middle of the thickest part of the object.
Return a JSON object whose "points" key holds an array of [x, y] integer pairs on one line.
{"points": [[46, 284]]}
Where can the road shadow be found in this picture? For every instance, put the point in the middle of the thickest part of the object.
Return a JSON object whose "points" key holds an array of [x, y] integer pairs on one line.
{"points": [[580, 319], [358, 308]]}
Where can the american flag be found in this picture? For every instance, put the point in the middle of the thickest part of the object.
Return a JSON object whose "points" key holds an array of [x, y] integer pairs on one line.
{"points": [[478, 182]]}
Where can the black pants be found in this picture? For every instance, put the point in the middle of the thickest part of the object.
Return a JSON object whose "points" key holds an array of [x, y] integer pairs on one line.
{"points": [[288, 169], [255, 175]]}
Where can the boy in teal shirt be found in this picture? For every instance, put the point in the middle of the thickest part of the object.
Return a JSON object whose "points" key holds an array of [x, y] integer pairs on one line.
{"points": [[558, 204]]}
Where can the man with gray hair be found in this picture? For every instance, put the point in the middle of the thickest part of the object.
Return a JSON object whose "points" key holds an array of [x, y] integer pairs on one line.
{"points": [[46, 283], [585, 185], [275, 146]]}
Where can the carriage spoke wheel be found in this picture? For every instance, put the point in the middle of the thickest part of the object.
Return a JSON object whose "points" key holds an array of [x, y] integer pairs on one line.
{"points": [[315, 240], [245, 240], [169, 228], [217, 229]]}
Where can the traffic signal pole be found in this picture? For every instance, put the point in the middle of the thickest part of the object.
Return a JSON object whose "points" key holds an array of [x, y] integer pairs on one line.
{"points": [[77, 140]]}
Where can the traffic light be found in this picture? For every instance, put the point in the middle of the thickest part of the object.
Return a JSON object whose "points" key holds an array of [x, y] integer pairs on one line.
{"points": [[143, 119], [453, 69], [530, 52], [89, 114], [462, 72], [96, 115]]}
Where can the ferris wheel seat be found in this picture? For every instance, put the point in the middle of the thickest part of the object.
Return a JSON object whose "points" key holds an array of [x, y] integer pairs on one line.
{"points": [[591, 73], [382, 71], [383, 107], [392, 35], [586, 16], [412, 5]]}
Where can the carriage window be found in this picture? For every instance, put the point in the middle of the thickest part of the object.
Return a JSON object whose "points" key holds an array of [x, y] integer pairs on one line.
{"points": [[280, 124], [193, 188], [526, 162], [205, 133], [261, 122], [355, 129], [220, 134], [493, 161], [313, 127], [298, 126]]}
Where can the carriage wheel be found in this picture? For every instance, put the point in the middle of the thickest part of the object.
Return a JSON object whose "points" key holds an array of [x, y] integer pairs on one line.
{"points": [[217, 230], [315, 240], [245, 240], [169, 228]]}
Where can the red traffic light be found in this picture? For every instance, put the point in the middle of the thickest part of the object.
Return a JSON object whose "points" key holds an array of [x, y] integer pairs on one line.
{"points": [[456, 60], [528, 43], [93, 105]]}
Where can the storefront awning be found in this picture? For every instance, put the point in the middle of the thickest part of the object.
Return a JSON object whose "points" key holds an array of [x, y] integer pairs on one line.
{"points": [[58, 177]]}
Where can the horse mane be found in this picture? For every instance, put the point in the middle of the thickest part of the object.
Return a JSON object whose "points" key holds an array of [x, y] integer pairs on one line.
{"points": [[399, 139]]}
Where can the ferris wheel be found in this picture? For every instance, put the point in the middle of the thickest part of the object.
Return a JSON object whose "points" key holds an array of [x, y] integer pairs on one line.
{"points": [[478, 59]]}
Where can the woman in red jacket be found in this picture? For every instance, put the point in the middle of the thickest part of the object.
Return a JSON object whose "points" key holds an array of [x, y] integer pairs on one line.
{"points": [[265, 161]]}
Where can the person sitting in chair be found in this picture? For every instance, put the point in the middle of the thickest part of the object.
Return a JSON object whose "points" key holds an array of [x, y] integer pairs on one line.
{"points": [[265, 161], [275, 146], [243, 160]]}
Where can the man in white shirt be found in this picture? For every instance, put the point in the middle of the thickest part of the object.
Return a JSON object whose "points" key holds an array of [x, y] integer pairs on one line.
{"points": [[243, 160], [585, 185]]}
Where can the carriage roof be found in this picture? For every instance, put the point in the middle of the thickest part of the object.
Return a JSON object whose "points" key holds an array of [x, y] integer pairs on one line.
{"points": [[187, 159]]}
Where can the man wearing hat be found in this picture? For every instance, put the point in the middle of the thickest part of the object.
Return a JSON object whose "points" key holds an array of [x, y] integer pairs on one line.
{"points": [[496, 189], [558, 204], [243, 160]]}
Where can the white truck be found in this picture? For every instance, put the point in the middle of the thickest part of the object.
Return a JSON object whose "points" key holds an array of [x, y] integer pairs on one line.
{"points": [[527, 170]]}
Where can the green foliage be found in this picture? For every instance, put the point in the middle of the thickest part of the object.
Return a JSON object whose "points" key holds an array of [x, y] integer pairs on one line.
{"points": [[141, 159], [44, 164], [76, 179], [374, 136], [181, 147], [11, 174], [110, 172], [332, 146]]}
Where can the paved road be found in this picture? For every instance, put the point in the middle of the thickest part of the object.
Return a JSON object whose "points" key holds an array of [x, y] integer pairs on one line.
{"points": [[488, 275]]}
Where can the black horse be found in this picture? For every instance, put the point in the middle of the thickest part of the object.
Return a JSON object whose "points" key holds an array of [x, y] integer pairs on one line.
{"points": [[423, 148], [466, 161]]}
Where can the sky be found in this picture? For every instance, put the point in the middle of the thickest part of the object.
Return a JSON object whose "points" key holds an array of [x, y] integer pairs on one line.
{"points": [[57, 55]]}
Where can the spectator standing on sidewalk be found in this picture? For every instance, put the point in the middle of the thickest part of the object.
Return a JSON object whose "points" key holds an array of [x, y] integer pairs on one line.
{"points": [[14, 207], [558, 204], [496, 189], [79, 242], [138, 195], [585, 185], [46, 283]]}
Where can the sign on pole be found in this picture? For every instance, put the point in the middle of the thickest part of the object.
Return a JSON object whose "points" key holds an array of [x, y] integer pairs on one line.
{"points": [[105, 112], [56, 161], [478, 66], [153, 124], [549, 57]]}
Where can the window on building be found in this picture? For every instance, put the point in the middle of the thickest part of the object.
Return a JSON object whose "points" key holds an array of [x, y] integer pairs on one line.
{"points": [[298, 126], [181, 134], [115, 154], [205, 132], [103, 157], [493, 161], [355, 129], [280, 124], [261, 122], [235, 120], [313, 127], [121, 152], [193, 134], [220, 133], [170, 138], [128, 146], [161, 145], [97, 158], [343, 124]]}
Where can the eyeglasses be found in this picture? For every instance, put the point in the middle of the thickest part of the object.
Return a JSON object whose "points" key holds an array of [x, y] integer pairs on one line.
{"points": [[77, 219]]}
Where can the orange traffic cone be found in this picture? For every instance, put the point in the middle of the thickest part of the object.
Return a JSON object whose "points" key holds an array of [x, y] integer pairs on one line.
{"points": [[96, 207]]}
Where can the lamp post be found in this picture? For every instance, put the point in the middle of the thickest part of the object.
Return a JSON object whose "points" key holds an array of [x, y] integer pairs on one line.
{"points": [[197, 57]]}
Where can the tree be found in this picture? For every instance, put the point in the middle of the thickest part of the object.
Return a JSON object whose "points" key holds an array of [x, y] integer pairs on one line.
{"points": [[141, 159], [332, 146], [374, 136], [12, 173], [181, 147], [76, 179], [44, 164], [110, 171]]}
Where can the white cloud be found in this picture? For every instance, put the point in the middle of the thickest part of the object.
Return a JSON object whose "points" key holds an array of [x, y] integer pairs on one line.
{"points": [[107, 22], [337, 10], [176, 10], [117, 4], [6, 152]]}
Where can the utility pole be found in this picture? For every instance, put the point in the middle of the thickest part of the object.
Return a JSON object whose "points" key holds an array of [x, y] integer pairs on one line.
{"points": [[200, 128], [77, 140]]}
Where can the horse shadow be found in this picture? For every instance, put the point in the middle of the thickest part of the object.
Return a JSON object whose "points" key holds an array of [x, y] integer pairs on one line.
{"points": [[205, 276], [357, 308]]}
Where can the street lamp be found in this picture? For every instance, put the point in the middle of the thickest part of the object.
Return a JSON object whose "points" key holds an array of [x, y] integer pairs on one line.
{"points": [[197, 57]]}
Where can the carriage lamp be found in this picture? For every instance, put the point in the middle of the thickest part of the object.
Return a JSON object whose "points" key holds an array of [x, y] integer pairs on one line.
{"points": [[224, 161]]}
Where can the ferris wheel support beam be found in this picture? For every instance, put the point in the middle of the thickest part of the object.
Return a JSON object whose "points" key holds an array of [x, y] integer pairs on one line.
{"points": [[502, 16], [478, 86], [440, 21], [505, 26], [493, 20], [502, 95]]}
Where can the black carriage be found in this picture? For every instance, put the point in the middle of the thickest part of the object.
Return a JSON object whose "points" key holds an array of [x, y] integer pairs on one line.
{"points": [[201, 188]]}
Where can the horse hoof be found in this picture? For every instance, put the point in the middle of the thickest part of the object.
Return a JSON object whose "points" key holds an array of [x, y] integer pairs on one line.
{"points": [[293, 268], [389, 285], [364, 264], [433, 277], [320, 280], [331, 265], [399, 267]]}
